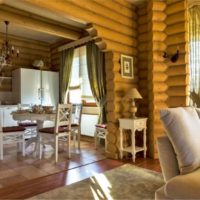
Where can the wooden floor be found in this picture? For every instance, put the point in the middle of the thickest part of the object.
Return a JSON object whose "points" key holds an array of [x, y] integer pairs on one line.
{"points": [[39, 185]]}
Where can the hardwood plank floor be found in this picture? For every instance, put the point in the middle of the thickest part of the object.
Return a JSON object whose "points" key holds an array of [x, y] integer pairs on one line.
{"points": [[36, 186]]}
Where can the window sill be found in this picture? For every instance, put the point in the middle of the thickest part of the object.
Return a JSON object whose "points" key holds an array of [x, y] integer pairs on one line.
{"points": [[89, 104], [90, 110]]}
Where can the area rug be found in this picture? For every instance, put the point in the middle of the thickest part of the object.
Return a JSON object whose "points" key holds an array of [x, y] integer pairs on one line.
{"points": [[122, 183]]}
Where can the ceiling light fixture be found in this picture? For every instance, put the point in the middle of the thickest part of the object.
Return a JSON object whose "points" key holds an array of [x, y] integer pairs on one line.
{"points": [[8, 51]]}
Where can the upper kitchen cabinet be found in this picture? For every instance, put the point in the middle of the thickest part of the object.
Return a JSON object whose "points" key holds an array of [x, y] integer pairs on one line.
{"points": [[32, 86]]}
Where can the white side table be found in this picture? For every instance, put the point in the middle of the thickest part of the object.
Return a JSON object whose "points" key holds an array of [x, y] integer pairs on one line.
{"points": [[139, 124]]}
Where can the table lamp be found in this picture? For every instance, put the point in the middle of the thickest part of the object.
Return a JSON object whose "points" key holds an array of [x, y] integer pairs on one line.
{"points": [[133, 94]]}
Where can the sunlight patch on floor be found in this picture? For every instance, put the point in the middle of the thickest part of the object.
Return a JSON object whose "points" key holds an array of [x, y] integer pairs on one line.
{"points": [[100, 187]]}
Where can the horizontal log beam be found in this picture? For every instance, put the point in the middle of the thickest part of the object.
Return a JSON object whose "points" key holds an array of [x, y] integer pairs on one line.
{"points": [[39, 25]]}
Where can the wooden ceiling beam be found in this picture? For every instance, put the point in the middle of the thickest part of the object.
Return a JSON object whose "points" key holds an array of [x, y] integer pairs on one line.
{"points": [[75, 43], [39, 25]]}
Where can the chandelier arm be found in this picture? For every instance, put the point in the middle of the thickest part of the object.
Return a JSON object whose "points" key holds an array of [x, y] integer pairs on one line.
{"points": [[6, 22], [7, 52]]}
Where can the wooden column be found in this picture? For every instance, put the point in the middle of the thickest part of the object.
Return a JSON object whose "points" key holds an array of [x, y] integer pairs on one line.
{"points": [[142, 64], [177, 37], [157, 86]]}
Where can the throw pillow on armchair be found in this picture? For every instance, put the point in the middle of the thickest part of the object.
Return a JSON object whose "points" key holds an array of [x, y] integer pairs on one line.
{"points": [[182, 126]]}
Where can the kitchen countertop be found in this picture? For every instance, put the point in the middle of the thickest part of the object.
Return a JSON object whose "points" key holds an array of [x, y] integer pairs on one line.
{"points": [[3, 106]]}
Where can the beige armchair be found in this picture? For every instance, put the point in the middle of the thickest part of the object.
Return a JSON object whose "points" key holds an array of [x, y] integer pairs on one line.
{"points": [[177, 186]]}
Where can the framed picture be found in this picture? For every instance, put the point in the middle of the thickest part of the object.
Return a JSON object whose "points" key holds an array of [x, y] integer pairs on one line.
{"points": [[127, 67]]}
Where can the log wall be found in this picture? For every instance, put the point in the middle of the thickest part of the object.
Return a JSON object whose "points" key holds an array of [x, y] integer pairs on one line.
{"points": [[145, 34], [30, 50], [56, 55]]}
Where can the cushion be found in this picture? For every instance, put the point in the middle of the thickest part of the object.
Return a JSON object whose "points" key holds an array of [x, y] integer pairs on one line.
{"points": [[184, 186], [26, 124], [183, 129], [13, 129], [74, 125], [51, 129], [101, 126]]}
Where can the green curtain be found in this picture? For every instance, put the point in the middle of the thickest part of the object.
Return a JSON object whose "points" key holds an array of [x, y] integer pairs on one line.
{"points": [[96, 74], [194, 36], [65, 72]]}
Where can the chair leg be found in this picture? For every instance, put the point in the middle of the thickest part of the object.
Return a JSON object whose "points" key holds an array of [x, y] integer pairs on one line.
{"points": [[74, 138], [79, 138], [23, 145], [40, 147], [19, 146], [56, 148], [63, 144], [106, 144], [99, 141], [36, 148], [1, 147], [95, 139], [68, 145]]}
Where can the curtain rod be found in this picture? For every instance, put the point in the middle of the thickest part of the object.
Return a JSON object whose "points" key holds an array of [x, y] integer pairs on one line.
{"points": [[76, 43]]}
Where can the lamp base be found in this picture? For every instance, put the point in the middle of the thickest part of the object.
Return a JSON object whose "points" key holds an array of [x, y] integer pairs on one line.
{"points": [[133, 109]]}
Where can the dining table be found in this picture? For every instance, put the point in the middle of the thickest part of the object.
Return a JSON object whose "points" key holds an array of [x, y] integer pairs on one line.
{"points": [[40, 118]]}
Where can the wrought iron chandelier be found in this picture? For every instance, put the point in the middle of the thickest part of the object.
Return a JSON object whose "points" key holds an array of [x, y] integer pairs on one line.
{"points": [[7, 51]]}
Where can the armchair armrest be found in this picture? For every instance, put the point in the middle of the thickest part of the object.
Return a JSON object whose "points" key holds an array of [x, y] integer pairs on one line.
{"points": [[167, 157]]}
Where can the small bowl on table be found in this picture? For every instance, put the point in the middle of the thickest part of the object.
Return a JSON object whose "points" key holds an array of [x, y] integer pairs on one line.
{"points": [[48, 109], [37, 109]]}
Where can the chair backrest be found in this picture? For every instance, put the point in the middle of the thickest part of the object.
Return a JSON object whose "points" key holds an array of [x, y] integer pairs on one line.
{"points": [[77, 112], [63, 116]]}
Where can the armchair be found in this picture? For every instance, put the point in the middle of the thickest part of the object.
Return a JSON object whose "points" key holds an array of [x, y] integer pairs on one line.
{"points": [[179, 154], [177, 186]]}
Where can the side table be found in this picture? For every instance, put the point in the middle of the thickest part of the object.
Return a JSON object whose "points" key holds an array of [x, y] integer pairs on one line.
{"points": [[139, 124]]}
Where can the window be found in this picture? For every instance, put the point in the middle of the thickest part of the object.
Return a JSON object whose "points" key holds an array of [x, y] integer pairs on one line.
{"points": [[195, 60], [80, 89], [194, 36]]}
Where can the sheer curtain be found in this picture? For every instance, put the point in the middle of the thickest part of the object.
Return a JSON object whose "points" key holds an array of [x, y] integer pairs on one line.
{"points": [[65, 72], [96, 74], [194, 35]]}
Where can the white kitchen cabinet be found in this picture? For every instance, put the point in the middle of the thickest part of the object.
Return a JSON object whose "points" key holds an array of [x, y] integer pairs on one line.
{"points": [[32, 86], [26, 85], [50, 88], [6, 117]]}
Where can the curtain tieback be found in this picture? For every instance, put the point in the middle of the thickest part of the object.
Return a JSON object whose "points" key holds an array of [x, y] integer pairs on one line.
{"points": [[102, 102]]}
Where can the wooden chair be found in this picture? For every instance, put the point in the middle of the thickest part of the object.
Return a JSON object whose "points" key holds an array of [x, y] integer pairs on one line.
{"points": [[61, 131], [76, 123], [12, 135], [100, 133]]}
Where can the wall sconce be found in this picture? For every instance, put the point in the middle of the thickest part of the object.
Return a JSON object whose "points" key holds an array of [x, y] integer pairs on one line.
{"points": [[174, 57]]}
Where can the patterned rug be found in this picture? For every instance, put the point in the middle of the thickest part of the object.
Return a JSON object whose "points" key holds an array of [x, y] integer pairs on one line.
{"points": [[122, 183]]}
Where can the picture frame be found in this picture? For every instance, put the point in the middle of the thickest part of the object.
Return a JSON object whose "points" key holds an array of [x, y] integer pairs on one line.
{"points": [[127, 70]]}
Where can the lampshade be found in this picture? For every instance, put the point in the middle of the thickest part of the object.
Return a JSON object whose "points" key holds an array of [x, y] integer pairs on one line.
{"points": [[38, 63], [133, 94]]}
